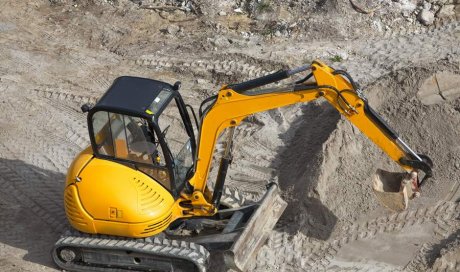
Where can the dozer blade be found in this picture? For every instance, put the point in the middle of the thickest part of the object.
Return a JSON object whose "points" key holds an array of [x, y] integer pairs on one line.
{"points": [[394, 190], [256, 231]]}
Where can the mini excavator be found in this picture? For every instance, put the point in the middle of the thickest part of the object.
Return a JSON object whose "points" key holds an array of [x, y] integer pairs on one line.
{"points": [[138, 198]]}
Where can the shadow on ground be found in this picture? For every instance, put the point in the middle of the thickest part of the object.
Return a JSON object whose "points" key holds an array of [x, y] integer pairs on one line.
{"points": [[31, 210], [443, 246], [298, 163]]}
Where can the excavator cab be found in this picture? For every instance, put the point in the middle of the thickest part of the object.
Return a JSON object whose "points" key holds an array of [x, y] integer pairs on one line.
{"points": [[131, 127]]}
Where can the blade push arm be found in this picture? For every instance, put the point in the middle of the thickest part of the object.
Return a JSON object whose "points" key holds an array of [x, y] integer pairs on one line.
{"points": [[235, 102]]}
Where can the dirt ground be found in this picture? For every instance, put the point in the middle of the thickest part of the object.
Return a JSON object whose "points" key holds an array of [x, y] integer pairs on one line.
{"points": [[56, 55]]}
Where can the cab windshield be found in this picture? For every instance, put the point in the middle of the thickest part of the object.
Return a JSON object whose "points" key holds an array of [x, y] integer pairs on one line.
{"points": [[177, 139]]}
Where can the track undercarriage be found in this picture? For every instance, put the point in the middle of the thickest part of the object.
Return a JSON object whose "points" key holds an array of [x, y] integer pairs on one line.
{"points": [[185, 246]]}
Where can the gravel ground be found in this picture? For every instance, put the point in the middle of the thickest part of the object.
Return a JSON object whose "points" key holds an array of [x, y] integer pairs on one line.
{"points": [[56, 55]]}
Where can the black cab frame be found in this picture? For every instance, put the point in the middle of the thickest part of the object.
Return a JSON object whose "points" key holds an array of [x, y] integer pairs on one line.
{"points": [[124, 127]]}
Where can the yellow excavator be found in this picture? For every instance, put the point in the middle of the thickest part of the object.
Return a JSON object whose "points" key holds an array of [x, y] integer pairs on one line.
{"points": [[139, 198]]}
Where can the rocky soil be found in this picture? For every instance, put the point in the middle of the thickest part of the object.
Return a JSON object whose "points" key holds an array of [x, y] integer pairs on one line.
{"points": [[56, 55]]}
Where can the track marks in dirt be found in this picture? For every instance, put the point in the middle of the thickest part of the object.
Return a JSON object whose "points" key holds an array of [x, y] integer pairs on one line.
{"points": [[34, 156], [246, 173], [454, 194], [41, 199], [22, 230], [307, 254], [67, 121], [34, 215], [449, 261], [399, 52], [442, 255], [223, 68], [416, 29], [63, 96]]}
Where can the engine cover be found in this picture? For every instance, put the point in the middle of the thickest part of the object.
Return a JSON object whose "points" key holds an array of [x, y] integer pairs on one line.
{"points": [[107, 197]]}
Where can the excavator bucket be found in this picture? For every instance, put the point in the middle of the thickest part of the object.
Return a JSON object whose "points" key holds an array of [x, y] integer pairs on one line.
{"points": [[256, 231], [394, 190]]}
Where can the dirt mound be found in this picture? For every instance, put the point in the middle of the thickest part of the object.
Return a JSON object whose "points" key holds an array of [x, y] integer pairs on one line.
{"points": [[300, 162], [327, 164]]}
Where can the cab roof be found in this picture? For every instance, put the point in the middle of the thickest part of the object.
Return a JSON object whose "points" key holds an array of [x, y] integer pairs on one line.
{"points": [[136, 96]]}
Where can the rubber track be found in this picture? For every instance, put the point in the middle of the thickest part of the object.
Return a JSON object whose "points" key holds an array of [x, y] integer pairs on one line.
{"points": [[194, 253]]}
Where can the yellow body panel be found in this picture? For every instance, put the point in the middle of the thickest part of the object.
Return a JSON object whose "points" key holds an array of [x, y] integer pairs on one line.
{"points": [[76, 215], [114, 199], [78, 164]]}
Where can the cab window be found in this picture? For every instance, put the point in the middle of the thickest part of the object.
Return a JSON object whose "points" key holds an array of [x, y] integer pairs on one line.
{"points": [[102, 134], [129, 138]]}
